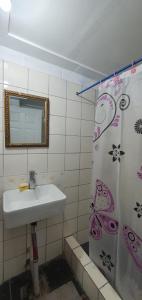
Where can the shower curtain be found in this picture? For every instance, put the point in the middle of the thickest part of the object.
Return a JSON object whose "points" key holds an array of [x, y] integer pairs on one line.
{"points": [[116, 209]]}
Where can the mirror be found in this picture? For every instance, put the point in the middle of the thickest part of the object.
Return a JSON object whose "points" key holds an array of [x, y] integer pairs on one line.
{"points": [[26, 120]]}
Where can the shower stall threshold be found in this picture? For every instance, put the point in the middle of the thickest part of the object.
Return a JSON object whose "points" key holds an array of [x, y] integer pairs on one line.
{"points": [[91, 279]]}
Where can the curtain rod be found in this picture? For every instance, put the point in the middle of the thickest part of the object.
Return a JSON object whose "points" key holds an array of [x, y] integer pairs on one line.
{"points": [[135, 62]]}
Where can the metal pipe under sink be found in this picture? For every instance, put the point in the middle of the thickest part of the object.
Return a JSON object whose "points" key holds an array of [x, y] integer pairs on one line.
{"points": [[34, 263]]}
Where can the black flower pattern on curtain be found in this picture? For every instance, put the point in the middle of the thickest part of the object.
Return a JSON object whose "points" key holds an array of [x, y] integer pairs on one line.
{"points": [[106, 260], [138, 126], [116, 153], [138, 209]]}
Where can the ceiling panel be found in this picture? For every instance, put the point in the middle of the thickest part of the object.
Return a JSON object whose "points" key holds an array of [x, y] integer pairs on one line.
{"points": [[89, 36]]}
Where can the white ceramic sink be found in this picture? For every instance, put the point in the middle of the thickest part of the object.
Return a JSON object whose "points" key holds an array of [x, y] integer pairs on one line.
{"points": [[32, 205]]}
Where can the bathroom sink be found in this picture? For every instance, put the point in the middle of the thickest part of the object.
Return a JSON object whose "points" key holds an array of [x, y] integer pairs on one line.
{"points": [[31, 205]]}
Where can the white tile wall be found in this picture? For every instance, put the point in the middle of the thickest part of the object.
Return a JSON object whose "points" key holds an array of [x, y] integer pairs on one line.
{"points": [[57, 106], [37, 162], [72, 161], [72, 144], [15, 75], [57, 125], [15, 164], [72, 88], [66, 162], [74, 109], [57, 87], [73, 127], [55, 162], [38, 81]]}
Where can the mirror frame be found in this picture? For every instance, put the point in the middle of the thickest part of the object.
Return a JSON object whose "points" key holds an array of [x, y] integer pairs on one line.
{"points": [[45, 101]]}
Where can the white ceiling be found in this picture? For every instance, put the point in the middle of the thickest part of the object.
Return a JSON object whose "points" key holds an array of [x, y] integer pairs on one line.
{"points": [[91, 37]]}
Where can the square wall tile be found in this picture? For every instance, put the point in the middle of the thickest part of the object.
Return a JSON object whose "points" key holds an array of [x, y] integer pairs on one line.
{"points": [[55, 220], [15, 75], [86, 160], [42, 255], [14, 232], [13, 182], [90, 95], [55, 162], [1, 119], [84, 207], [68, 253], [72, 242], [1, 142], [72, 88], [77, 269], [15, 164], [83, 222], [57, 87], [87, 128], [108, 293], [73, 109], [72, 161], [53, 250], [54, 233], [41, 237], [89, 287], [70, 211], [37, 162], [70, 227], [84, 191], [72, 144], [1, 71], [71, 193], [14, 247], [57, 106], [56, 144], [83, 236], [86, 144], [85, 176], [38, 150], [38, 81], [14, 151], [1, 165], [56, 178], [88, 112], [14, 266], [73, 126], [95, 274], [57, 125], [71, 178], [81, 256], [1, 95]]}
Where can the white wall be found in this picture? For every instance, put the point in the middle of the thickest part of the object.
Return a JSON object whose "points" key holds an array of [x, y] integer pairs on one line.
{"points": [[67, 163]]}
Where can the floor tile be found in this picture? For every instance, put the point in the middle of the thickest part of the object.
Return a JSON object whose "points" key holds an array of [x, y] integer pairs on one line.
{"points": [[21, 286], [85, 247], [5, 291], [57, 272]]}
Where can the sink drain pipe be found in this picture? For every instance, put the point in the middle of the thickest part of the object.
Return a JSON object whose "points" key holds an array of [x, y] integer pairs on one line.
{"points": [[35, 272]]}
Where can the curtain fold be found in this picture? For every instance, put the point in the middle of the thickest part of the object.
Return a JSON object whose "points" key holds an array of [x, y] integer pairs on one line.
{"points": [[115, 242]]}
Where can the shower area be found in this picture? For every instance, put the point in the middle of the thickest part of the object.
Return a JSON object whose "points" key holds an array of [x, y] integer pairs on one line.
{"points": [[115, 225]]}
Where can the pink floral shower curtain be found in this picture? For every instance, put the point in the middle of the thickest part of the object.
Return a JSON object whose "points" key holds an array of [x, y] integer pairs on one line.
{"points": [[116, 209]]}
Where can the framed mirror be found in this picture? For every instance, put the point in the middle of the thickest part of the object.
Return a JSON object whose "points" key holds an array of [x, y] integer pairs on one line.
{"points": [[26, 120]]}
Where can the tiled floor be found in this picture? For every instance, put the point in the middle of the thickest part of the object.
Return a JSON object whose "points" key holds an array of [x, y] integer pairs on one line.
{"points": [[85, 247], [56, 283], [65, 292]]}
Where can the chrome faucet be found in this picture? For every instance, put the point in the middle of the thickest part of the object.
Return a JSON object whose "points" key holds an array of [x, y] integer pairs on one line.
{"points": [[32, 179]]}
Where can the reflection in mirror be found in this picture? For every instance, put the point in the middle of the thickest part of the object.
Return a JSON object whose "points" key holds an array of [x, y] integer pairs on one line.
{"points": [[26, 120]]}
